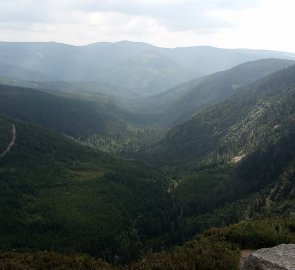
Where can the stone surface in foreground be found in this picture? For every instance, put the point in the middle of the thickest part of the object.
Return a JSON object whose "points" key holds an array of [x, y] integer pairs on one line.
{"points": [[281, 257]]}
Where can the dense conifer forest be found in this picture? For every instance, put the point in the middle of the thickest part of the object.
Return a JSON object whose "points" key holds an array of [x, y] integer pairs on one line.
{"points": [[99, 178]]}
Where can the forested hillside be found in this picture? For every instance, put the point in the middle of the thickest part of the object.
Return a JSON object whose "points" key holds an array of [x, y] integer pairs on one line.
{"points": [[100, 90], [232, 162], [181, 103], [258, 114], [237, 156], [72, 116], [147, 135], [59, 195], [96, 119]]}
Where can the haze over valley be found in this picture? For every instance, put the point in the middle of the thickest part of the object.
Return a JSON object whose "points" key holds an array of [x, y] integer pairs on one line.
{"points": [[127, 155]]}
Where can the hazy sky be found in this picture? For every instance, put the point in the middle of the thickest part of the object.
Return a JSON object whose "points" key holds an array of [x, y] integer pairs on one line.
{"points": [[263, 24]]}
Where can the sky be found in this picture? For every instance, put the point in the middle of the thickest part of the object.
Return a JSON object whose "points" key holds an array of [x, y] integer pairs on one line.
{"points": [[253, 24]]}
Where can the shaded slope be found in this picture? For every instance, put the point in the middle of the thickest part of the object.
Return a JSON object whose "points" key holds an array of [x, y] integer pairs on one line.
{"points": [[74, 117], [94, 118]]}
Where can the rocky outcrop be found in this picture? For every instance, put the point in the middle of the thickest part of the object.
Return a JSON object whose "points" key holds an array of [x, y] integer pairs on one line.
{"points": [[281, 257]]}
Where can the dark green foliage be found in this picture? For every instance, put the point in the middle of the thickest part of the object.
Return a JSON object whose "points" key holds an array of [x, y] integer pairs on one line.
{"points": [[267, 172], [127, 142], [239, 154], [57, 194], [77, 118], [255, 234], [200, 254], [50, 261], [214, 249], [279, 200], [217, 248], [232, 161], [192, 192], [95, 119], [230, 128], [230, 213], [5, 134]]}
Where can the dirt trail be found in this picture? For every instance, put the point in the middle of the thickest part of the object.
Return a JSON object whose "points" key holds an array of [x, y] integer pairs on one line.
{"points": [[11, 144]]}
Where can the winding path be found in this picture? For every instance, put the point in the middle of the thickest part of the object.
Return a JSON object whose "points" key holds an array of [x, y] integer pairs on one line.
{"points": [[11, 144]]}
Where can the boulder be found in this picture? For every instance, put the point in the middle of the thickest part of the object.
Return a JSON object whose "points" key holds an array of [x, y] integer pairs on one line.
{"points": [[281, 257]]}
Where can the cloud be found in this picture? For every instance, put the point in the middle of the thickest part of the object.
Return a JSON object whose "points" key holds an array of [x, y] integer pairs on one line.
{"points": [[159, 7], [224, 23], [177, 15]]}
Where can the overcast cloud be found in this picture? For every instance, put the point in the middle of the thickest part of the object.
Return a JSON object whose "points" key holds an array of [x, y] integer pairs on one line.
{"points": [[264, 24]]}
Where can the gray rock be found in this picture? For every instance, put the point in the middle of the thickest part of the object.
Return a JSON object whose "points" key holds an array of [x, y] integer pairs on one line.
{"points": [[281, 257]]}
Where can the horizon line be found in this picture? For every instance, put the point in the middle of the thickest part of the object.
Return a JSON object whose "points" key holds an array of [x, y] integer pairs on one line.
{"points": [[150, 44]]}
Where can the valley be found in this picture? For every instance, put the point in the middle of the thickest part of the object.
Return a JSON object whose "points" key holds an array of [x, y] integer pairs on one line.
{"points": [[145, 159]]}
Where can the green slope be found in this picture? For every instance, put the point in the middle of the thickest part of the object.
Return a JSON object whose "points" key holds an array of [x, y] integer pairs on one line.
{"points": [[257, 114], [78, 118], [59, 195], [235, 160], [181, 103], [93, 118]]}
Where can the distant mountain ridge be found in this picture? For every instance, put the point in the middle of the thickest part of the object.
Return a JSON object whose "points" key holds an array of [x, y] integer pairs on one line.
{"points": [[122, 64]]}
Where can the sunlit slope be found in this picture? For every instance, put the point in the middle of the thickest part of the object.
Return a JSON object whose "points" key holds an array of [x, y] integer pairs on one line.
{"points": [[239, 149], [181, 103], [257, 114]]}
